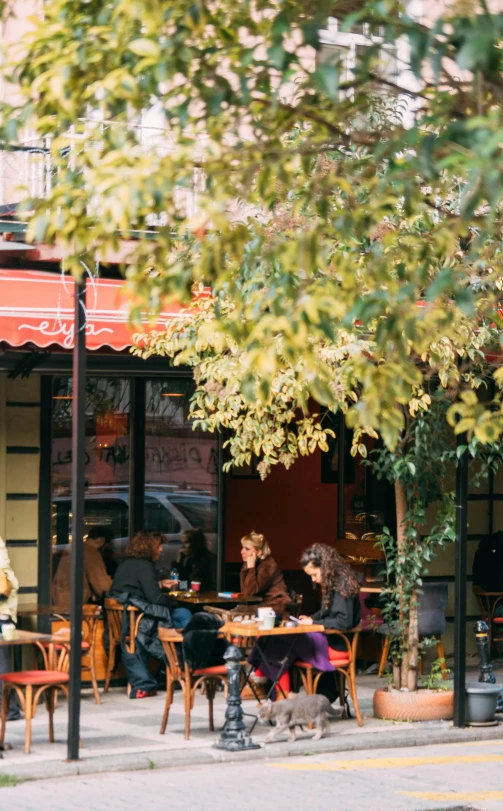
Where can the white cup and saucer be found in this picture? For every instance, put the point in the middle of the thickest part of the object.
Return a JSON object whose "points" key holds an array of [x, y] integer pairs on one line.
{"points": [[266, 618]]}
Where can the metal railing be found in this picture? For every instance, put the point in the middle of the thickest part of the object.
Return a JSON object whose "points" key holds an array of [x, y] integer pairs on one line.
{"points": [[27, 170]]}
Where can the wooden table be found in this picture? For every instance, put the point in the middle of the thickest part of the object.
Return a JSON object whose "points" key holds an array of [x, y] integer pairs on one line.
{"points": [[251, 629], [25, 638], [211, 598]]}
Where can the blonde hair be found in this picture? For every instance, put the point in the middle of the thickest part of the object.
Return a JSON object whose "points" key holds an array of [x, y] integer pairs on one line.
{"points": [[258, 541]]}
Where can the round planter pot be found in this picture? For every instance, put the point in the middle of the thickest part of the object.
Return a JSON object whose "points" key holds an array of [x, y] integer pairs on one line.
{"points": [[422, 705], [481, 700]]}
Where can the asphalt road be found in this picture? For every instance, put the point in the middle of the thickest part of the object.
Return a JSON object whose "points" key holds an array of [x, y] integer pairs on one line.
{"points": [[453, 776]]}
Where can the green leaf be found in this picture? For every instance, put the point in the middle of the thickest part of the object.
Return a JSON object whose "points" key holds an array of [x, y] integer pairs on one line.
{"points": [[145, 47]]}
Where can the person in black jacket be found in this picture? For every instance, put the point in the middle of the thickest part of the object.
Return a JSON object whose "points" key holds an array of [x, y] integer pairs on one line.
{"points": [[340, 589], [137, 575]]}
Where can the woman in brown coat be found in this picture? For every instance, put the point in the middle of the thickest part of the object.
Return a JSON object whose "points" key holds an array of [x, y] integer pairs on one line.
{"points": [[261, 575]]}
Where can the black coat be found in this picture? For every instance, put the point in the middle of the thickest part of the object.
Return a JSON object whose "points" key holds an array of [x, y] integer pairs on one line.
{"points": [[342, 614], [202, 646], [155, 615], [139, 577]]}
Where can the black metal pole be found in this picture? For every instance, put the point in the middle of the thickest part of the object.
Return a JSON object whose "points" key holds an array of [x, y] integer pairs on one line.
{"points": [[78, 484], [45, 502], [221, 512], [341, 453], [460, 587], [137, 456]]}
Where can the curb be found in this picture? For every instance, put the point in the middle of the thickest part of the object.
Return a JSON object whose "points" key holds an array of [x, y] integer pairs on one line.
{"points": [[202, 757]]}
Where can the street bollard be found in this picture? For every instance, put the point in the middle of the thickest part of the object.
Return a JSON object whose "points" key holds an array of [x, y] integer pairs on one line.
{"points": [[234, 737], [486, 675]]}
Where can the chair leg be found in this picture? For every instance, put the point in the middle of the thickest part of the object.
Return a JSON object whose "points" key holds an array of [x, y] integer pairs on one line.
{"points": [[353, 694], [188, 704], [170, 685], [384, 655], [28, 716], [94, 680], [5, 702], [441, 656], [50, 704], [309, 681], [110, 665], [210, 694]]}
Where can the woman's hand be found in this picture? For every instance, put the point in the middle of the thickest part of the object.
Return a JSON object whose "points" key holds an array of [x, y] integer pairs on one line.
{"points": [[167, 584], [251, 561], [248, 556], [303, 620]]}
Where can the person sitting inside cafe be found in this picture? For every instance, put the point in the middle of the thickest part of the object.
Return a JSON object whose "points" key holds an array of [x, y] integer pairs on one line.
{"points": [[137, 575], [261, 575], [195, 561], [96, 579], [136, 583]]}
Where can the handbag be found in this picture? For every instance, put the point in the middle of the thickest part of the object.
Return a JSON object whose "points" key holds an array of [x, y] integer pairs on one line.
{"points": [[5, 585]]}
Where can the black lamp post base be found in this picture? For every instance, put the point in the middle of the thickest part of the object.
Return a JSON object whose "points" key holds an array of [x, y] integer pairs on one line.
{"points": [[234, 737], [241, 742]]}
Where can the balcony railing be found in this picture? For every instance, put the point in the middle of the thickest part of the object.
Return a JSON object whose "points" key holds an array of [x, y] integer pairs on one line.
{"points": [[27, 170]]}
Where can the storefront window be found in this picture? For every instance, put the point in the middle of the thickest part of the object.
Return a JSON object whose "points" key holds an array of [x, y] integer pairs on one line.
{"points": [[180, 471], [181, 479], [106, 463]]}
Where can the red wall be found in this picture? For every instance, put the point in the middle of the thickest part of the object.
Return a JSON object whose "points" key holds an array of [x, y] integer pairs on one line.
{"points": [[291, 507]]}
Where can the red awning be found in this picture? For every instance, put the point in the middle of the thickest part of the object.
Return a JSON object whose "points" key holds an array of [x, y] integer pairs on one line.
{"points": [[37, 307]]}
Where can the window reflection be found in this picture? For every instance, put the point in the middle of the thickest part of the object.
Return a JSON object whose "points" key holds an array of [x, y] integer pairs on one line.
{"points": [[180, 472], [106, 463]]}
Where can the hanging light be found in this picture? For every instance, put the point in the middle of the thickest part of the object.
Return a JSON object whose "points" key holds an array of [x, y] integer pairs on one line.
{"points": [[172, 394]]}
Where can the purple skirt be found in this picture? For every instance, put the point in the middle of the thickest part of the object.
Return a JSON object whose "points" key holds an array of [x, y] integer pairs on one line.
{"points": [[280, 652]]}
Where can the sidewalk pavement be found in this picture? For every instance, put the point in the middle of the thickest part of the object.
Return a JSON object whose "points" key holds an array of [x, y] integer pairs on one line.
{"points": [[123, 735]]}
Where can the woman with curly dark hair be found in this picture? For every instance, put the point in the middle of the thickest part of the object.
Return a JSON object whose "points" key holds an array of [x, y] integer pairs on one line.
{"points": [[340, 589]]}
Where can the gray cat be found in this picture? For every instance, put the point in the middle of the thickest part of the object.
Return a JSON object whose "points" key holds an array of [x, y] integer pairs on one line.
{"points": [[295, 712]]}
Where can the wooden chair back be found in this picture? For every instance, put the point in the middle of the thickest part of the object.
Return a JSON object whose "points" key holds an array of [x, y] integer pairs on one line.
{"points": [[115, 614], [168, 637]]}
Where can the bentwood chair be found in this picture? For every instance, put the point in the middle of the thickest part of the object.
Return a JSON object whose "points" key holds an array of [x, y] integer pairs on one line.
{"points": [[345, 670], [189, 680], [114, 614], [30, 685], [91, 613]]}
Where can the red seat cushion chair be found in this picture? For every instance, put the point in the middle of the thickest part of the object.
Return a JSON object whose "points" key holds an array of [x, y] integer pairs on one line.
{"points": [[29, 686]]}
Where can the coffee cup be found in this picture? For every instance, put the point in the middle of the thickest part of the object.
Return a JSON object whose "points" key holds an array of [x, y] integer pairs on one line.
{"points": [[267, 623], [195, 585], [267, 611], [8, 631]]}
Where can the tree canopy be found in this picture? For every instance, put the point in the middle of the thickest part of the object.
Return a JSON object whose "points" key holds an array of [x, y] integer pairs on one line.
{"points": [[330, 202]]}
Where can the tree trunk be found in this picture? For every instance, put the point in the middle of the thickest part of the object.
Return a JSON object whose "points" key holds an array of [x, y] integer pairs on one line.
{"points": [[412, 644], [401, 674]]}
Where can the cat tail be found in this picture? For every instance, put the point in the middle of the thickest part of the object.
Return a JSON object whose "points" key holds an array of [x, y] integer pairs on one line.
{"points": [[333, 713]]}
